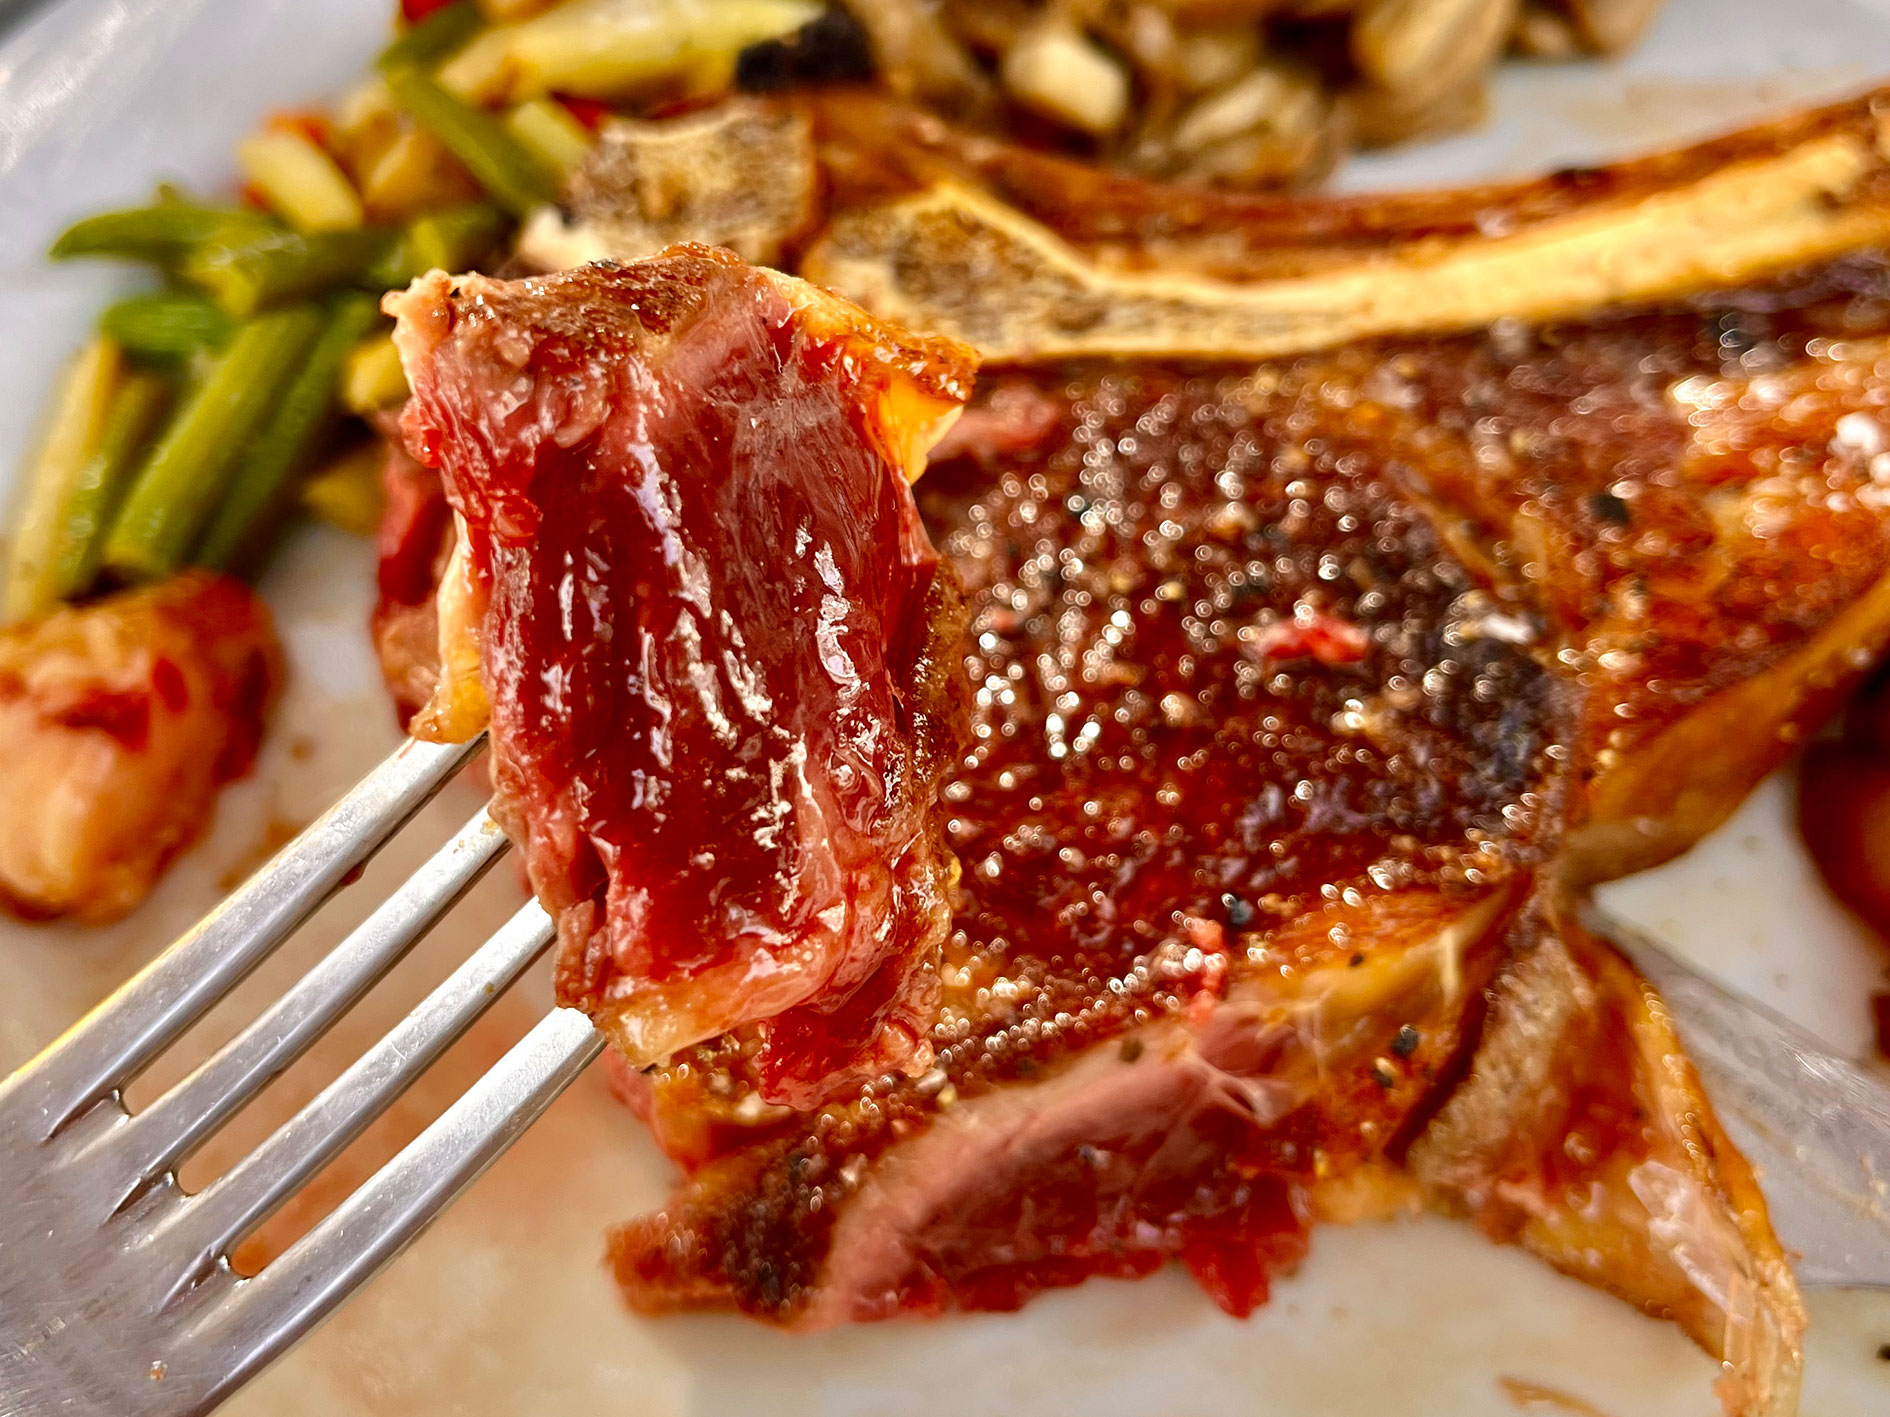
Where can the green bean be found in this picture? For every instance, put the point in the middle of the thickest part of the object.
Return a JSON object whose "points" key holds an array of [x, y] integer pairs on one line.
{"points": [[283, 447], [183, 477], [435, 37], [511, 176], [136, 407], [284, 265], [166, 326], [551, 133], [163, 233], [454, 237], [451, 239], [76, 415]]}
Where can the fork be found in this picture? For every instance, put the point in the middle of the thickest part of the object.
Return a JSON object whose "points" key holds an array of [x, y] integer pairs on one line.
{"points": [[116, 1290]]}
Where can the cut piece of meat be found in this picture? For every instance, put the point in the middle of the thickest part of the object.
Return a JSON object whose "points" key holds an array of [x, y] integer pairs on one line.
{"points": [[719, 657], [1207, 1134], [119, 720]]}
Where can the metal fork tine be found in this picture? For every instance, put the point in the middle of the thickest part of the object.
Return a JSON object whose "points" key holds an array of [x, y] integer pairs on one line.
{"points": [[269, 1313], [160, 1136], [217, 1217], [119, 1038]]}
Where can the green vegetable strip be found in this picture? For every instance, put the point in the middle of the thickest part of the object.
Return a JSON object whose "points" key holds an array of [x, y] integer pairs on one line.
{"points": [[435, 37], [163, 233], [451, 239], [166, 326], [284, 265], [75, 423], [510, 174], [286, 441], [100, 485], [184, 477]]}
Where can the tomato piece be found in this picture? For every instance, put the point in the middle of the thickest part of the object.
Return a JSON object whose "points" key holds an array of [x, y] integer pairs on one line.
{"points": [[1844, 815], [588, 111]]}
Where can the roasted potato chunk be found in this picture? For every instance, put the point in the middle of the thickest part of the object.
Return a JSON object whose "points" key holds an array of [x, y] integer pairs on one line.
{"points": [[119, 720]]}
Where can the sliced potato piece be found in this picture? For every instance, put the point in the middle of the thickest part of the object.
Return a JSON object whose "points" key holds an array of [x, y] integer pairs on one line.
{"points": [[1065, 75], [547, 129], [371, 377], [299, 180], [919, 55], [414, 173], [347, 492], [607, 48], [74, 424]]}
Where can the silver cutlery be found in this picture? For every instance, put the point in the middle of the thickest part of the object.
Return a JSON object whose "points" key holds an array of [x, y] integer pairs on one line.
{"points": [[116, 1290]]}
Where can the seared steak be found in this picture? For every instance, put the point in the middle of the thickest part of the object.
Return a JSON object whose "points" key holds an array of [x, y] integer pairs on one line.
{"points": [[692, 585], [1302, 695], [1306, 695], [1252, 790]]}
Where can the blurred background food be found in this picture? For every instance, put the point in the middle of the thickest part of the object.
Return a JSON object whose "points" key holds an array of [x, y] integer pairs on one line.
{"points": [[1844, 816], [241, 388], [1244, 93], [253, 381]]}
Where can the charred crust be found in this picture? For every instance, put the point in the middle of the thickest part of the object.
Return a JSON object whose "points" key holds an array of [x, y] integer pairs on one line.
{"points": [[832, 48]]}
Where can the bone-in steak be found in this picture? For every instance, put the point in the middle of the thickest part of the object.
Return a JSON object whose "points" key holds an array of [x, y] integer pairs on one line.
{"points": [[1306, 695], [1256, 770], [1301, 696]]}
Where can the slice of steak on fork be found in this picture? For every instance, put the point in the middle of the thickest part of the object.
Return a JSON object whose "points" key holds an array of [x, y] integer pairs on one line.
{"points": [[693, 597]]}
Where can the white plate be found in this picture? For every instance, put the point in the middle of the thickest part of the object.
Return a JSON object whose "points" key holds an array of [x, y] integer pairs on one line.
{"points": [[504, 1307]]}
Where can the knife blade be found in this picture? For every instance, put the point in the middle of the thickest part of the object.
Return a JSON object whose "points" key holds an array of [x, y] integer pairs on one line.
{"points": [[1815, 1126]]}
